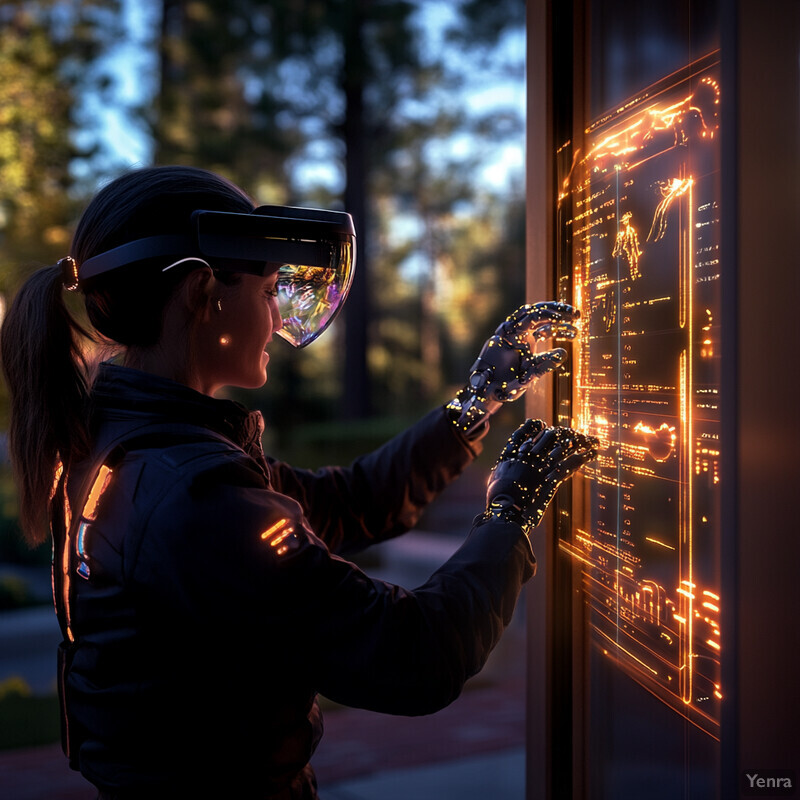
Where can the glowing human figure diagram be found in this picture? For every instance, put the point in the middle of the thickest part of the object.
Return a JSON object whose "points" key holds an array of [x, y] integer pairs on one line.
{"points": [[670, 190], [627, 244]]}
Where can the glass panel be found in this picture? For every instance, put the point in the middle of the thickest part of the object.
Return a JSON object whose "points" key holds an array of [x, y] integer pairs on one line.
{"points": [[639, 255]]}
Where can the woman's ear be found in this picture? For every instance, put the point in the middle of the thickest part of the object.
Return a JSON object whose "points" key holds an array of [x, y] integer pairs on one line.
{"points": [[196, 292]]}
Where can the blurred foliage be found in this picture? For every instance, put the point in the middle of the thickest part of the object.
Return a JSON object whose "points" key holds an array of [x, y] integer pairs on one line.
{"points": [[14, 687], [27, 720], [209, 111], [49, 52], [14, 593], [13, 548]]}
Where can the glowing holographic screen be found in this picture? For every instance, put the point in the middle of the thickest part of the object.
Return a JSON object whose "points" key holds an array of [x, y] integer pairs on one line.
{"points": [[639, 221]]}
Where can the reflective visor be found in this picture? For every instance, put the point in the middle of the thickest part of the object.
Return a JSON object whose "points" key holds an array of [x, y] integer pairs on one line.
{"points": [[312, 250], [310, 297]]}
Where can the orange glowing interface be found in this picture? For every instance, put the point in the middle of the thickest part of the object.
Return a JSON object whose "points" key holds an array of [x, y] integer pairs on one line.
{"points": [[639, 218]]}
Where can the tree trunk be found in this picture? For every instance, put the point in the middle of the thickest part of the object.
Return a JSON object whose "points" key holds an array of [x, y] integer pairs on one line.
{"points": [[357, 394]]}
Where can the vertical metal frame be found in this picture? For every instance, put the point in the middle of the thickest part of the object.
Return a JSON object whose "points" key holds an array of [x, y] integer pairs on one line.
{"points": [[552, 748], [539, 228], [761, 548]]}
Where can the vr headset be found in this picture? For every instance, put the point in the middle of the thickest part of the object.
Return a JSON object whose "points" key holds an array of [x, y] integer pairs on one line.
{"points": [[313, 252]]}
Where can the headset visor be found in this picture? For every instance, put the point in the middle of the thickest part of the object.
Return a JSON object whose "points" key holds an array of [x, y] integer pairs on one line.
{"points": [[313, 251]]}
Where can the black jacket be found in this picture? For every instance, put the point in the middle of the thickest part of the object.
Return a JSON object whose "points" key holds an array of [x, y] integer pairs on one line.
{"points": [[209, 602]]}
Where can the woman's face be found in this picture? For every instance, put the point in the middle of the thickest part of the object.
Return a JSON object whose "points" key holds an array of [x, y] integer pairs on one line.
{"points": [[242, 319]]}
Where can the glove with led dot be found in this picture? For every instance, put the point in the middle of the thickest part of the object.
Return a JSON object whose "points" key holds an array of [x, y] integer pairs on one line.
{"points": [[507, 364], [536, 460]]}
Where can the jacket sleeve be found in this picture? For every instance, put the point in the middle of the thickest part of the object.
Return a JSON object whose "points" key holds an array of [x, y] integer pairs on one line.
{"points": [[410, 652], [382, 494], [243, 562]]}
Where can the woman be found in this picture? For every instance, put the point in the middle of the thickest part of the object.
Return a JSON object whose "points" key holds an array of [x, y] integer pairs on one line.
{"points": [[199, 585]]}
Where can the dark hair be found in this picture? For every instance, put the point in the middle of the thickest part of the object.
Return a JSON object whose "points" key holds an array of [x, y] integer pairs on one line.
{"points": [[42, 348]]}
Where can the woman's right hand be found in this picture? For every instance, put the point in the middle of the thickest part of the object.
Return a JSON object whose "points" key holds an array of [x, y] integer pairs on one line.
{"points": [[536, 460]]}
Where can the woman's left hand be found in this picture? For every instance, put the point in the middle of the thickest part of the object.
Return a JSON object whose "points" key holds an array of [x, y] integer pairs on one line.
{"points": [[507, 363]]}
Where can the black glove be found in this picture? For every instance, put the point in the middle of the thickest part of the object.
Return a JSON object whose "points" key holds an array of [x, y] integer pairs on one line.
{"points": [[507, 365], [534, 463]]}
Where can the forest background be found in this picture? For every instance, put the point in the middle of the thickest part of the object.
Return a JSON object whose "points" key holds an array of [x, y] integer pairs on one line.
{"points": [[409, 114]]}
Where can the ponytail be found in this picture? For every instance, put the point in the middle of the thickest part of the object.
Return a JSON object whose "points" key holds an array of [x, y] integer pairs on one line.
{"points": [[46, 373]]}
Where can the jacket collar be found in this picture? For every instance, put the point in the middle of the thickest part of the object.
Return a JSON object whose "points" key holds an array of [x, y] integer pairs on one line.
{"points": [[123, 397]]}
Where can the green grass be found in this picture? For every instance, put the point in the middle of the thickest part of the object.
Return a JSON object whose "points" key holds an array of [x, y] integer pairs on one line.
{"points": [[27, 720]]}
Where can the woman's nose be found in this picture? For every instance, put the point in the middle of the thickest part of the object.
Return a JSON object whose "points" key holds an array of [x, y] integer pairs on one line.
{"points": [[277, 321]]}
